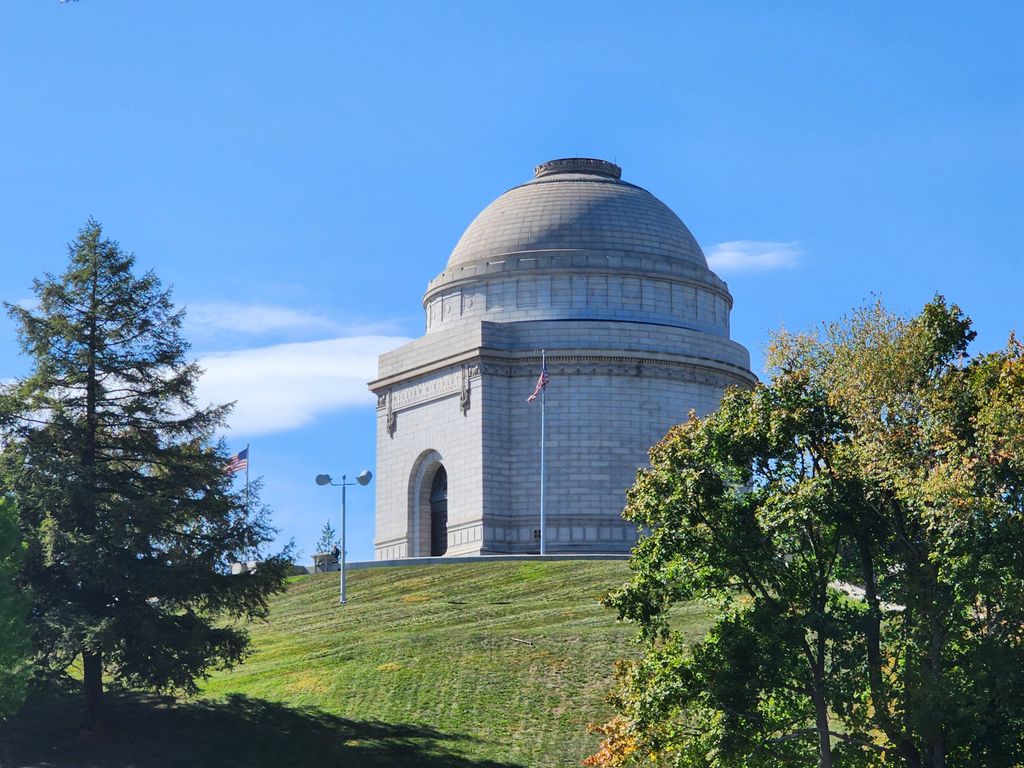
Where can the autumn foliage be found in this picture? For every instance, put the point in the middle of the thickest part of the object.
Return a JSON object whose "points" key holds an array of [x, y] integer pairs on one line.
{"points": [[858, 522]]}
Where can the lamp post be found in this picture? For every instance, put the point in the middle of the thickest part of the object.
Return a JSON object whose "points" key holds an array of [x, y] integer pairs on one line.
{"points": [[361, 479]]}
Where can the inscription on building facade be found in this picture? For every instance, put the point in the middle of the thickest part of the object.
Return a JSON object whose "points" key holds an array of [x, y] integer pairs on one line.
{"points": [[453, 383]]}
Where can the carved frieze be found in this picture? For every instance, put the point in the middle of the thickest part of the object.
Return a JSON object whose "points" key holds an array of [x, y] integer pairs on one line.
{"points": [[455, 382], [431, 389], [609, 366], [459, 381]]}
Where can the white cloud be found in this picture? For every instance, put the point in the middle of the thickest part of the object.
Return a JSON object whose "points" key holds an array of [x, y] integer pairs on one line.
{"points": [[285, 386], [215, 317], [753, 256]]}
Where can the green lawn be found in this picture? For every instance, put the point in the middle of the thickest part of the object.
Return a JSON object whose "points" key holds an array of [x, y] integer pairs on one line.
{"points": [[476, 664]]}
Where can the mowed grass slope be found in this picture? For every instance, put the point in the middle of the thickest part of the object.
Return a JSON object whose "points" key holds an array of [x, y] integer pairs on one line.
{"points": [[476, 664], [514, 658]]}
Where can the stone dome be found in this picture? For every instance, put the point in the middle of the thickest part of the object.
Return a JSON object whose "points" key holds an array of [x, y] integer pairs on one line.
{"points": [[577, 205], [578, 243]]}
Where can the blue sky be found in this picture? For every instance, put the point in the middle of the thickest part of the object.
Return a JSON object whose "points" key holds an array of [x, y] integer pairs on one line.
{"points": [[298, 171]]}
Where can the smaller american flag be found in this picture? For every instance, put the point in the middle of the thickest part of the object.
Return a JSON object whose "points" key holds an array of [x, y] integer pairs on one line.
{"points": [[542, 383], [238, 462]]}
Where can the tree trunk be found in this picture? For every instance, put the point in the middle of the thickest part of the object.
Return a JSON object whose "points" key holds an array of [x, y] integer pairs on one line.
{"points": [[873, 634], [873, 640], [818, 694], [87, 518], [93, 686], [824, 739], [908, 746], [936, 739]]}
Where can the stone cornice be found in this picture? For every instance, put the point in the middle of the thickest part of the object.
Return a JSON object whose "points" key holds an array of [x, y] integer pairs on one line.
{"points": [[460, 358], [645, 365], [487, 362]]}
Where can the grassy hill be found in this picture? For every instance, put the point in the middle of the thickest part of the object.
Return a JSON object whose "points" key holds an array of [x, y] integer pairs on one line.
{"points": [[476, 664]]}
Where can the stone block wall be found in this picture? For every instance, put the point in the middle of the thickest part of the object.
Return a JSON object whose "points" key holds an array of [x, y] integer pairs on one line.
{"points": [[428, 426], [600, 423], [616, 388]]}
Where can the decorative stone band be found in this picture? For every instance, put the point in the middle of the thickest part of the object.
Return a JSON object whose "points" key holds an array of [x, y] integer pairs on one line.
{"points": [[391, 549], [575, 261], [578, 165], [673, 302], [694, 370], [691, 369], [390, 542]]}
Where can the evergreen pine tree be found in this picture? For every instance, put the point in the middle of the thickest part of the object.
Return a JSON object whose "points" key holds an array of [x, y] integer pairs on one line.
{"points": [[328, 538], [14, 640], [130, 519]]}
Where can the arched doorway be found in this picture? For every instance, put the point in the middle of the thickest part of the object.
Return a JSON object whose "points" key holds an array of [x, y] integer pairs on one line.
{"points": [[439, 513]]}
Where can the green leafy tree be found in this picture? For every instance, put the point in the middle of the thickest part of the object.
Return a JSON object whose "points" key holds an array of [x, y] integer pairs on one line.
{"points": [[858, 523], [131, 521], [14, 605], [328, 538]]}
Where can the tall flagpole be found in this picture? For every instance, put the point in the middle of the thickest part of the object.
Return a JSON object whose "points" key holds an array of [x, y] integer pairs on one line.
{"points": [[543, 400]]}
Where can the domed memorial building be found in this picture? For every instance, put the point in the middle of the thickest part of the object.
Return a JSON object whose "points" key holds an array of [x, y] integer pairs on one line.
{"points": [[607, 280]]}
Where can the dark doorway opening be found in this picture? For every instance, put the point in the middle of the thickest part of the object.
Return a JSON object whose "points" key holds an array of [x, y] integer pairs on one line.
{"points": [[439, 513]]}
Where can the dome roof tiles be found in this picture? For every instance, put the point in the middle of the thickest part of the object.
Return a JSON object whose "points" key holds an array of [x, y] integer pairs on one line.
{"points": [[578, 205]]}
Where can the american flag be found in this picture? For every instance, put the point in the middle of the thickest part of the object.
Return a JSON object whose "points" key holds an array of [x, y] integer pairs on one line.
{"points": [[542, 383], [238, 462]]}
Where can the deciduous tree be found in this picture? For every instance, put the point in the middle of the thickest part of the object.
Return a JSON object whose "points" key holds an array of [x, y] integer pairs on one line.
{"points": [[130, 519], [859, 523]]}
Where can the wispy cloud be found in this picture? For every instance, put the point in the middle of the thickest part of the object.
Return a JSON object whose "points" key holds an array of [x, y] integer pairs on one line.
{"points": [[754, 256], [254, 319], [285, 386]]}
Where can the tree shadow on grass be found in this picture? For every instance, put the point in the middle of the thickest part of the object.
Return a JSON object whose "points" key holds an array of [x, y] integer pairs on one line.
{"points": [[155, 732]]}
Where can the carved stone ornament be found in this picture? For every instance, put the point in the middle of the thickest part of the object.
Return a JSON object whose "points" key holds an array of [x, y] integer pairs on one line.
{"points": [[389, 416], [464, 391]]}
